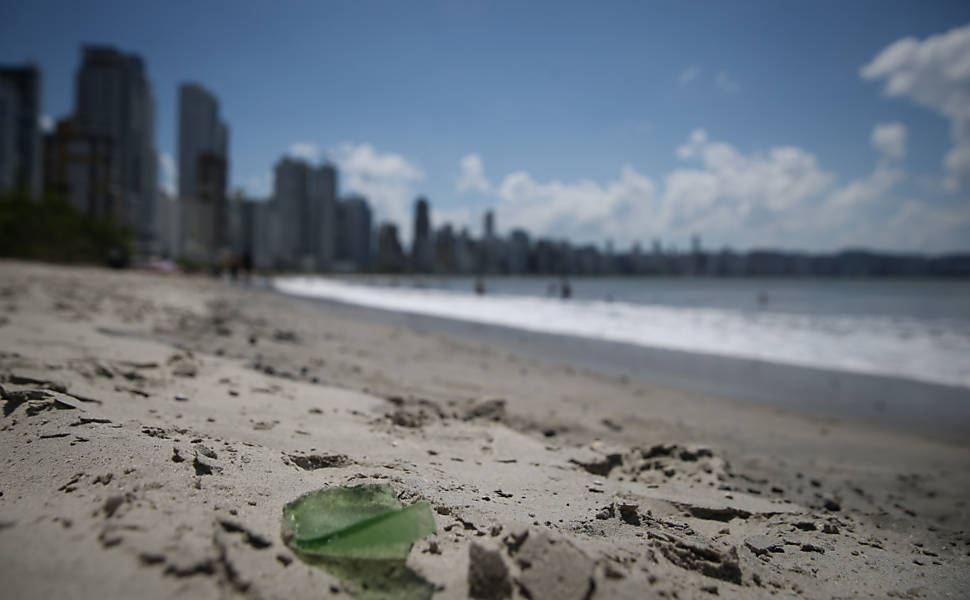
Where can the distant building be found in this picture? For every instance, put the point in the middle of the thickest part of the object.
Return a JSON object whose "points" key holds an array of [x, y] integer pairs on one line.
{"points": [[82, 169], [9, 157], [204, 216], [444, 250], [305, 203], [20, 143], [519, 252], [390, 256], [490, 250], [354, 234], [114, 99], [203, 162], [243, 222], [421, 251], [166, 225], [466, 253], [266, 236], [320, 235]]}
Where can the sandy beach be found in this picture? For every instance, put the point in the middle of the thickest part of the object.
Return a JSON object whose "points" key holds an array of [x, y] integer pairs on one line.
{"points": [[154, 427]]}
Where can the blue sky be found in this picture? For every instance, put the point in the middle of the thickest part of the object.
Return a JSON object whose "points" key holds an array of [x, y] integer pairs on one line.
{"points": [[754, 124]]}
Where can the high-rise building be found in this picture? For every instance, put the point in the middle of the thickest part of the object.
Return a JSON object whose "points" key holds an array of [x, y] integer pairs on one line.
{"points": [[390, 256], [9, 159], [354, 234], [321, 238], [166, 225], [81, 168], [519, 252], [204, 215], [490, 249], [203, 162], [444, 249], [466, 251], [114, 99], [20, 151], [488, 225], [244, 226], [305, 199], [266, 235], [422, 257]]}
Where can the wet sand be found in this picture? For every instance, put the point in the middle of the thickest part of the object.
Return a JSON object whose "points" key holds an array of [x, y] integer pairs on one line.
{"points": [[153, 428], [914, 407]]}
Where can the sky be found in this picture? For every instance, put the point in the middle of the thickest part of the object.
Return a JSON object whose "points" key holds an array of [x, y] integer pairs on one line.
{"points": [[796, 125]]}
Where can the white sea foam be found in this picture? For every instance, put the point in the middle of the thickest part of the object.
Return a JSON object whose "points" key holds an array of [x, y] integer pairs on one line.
{"points": [[930, 350]]}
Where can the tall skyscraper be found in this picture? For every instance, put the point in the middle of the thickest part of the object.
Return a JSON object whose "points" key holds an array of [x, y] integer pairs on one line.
{"points": [[488, 259], [390, 256], [354, 233], [82, 169], [20, 144], [203, 163], [488, 225], [305, 199], [9, 157], [519, 252], [444, 249], [322, 204], [422, 257], [114, 99]]}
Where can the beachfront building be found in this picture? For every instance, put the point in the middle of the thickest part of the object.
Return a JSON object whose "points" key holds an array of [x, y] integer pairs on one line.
{"points": [[166, 225], [321, 233], [203, 140], [265, 235], [518, 252], [242, 226], [390, 255], [82, 169], [353, 225], [466, 253], [444, 250], [114, 99], [305, 209], [20, 144], [422, 258]]}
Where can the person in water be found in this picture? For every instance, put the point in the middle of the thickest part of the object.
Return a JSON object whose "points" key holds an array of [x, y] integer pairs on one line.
{"points": [[565, 290]]}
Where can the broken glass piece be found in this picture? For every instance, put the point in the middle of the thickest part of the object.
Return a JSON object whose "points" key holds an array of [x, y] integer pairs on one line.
{"points": [[365, 522]]}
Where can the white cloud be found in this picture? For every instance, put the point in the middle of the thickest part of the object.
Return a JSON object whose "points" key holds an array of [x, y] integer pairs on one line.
{"points": [[934, 73], [46, 123], [780, 196], [889, 139], [306, 150], [688, 75], [726, 83], [777, 181], [169, 173], [843, 204], [925, 227], [384, 178], [472, 175], [582, 210]]}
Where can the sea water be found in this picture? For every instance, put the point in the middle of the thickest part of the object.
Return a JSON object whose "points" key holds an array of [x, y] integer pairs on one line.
{"points": [[916, 329]]}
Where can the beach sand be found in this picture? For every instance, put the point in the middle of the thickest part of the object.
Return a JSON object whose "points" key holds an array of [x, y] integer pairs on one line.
{"points": [[154, 426]]}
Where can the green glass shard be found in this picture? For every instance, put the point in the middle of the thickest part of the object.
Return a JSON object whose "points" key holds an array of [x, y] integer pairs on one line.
{"points": [[361, 522]]}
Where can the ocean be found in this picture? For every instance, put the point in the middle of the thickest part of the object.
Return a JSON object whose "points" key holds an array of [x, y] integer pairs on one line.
{"points": [[911, 329]]}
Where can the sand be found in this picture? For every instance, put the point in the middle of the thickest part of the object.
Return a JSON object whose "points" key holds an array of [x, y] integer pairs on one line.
{"points": [[154, 426]]}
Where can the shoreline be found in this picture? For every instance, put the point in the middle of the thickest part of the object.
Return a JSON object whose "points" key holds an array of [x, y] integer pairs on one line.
{"points": [[904, 404]]}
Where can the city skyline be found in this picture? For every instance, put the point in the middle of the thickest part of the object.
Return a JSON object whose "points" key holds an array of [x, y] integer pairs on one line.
{"points": [[848, 157]]}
